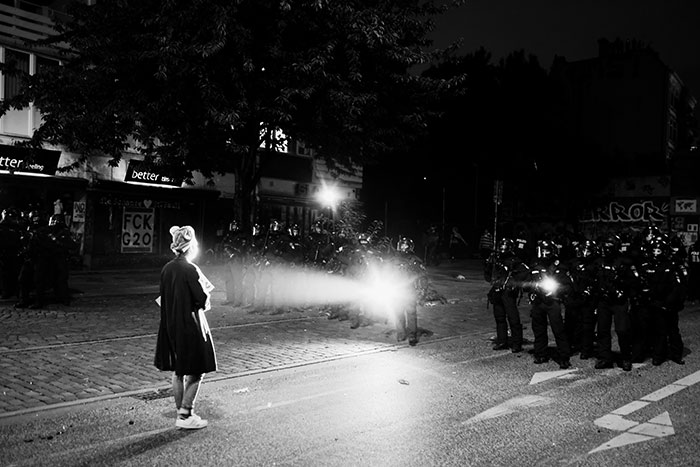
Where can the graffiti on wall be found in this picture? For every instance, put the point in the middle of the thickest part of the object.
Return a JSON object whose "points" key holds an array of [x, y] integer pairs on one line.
{"points": [[654, 211]]}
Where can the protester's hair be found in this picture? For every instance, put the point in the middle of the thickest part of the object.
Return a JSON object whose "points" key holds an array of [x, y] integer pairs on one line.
{"points": [[183, 238]]}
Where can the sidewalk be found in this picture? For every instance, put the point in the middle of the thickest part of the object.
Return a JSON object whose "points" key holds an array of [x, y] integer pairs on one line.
{"points": [[102, 346]]}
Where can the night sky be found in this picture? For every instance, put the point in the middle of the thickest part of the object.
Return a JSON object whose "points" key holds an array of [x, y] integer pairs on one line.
{"points": [[571, 29]]}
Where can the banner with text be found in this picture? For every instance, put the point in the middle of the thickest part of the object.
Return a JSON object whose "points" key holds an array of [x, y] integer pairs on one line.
{"points": [[137, 171], [137, 230]]}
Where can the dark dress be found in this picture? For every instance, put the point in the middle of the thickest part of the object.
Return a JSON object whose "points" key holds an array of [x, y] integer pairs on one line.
{"points": [[184, 344]]}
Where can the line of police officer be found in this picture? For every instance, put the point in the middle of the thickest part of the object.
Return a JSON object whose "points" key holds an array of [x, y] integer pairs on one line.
{"points": [[636, 283], [34, 257], [256, 261]]}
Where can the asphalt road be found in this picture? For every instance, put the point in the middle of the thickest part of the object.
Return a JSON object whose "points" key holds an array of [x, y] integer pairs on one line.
{"points": [[446, 402], [295, 388]]}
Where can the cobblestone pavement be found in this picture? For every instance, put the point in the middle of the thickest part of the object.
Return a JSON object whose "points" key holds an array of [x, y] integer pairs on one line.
{"points": [[102, 345]]}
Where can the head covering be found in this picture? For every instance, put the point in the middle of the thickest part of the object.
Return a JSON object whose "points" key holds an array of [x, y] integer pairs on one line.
{"points": [[183, 238]]}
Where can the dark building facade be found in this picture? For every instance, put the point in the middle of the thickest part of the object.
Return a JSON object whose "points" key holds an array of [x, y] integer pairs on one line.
{"points": [[630, 116]]}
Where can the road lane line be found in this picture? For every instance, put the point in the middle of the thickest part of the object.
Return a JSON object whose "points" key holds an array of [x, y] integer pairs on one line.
{"points": [[635, 432], [663, 392]]}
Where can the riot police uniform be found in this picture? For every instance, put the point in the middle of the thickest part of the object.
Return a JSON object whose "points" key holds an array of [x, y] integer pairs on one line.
{"points": [[659, 296], [694, 271], [581, 301], [10, 246], [509, 271], [237, 249], [615, 278], [409, 265], [547, 286]]}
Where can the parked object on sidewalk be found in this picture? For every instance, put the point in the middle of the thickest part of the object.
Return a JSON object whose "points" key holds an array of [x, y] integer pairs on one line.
{"points": [[184, 343]]}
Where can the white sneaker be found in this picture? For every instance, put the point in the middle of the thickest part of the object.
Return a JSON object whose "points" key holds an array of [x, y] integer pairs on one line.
{"points": [[193, 422]]}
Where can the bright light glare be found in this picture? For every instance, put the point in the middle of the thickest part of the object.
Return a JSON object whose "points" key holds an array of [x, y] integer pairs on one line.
{"points": [[328, 195], [380, 292], [549, 285], [385, 289]]}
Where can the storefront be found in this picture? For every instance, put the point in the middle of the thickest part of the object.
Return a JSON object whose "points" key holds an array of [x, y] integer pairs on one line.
{"points": [[131, 217]]}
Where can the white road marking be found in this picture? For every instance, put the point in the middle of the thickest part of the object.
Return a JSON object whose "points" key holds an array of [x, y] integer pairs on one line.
{"points": [[509, 406], [545, 375], [663, 392], [629, 408], [635, 432]]}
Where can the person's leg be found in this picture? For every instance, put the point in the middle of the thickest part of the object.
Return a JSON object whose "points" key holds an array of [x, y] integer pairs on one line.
{"points": [[186, 418], [412, 324], [178, 391], [192, 384], [510, 302], [538, 316], [556, 322], [499, 314]]}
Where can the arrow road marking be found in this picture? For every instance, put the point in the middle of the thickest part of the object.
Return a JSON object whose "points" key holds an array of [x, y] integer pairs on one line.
{"points": [[635, 432], [509, 406]]}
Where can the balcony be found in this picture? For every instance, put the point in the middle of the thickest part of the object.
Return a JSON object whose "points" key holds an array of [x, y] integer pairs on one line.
{"points": [[24, 22]]}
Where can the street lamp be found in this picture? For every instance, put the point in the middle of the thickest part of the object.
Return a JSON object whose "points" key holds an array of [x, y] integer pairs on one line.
{"points": [[329, 196]]}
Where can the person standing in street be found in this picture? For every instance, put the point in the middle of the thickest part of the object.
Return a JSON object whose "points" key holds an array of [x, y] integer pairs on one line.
{"points": [[184, 343], [548, 286], [694, 272], [486, 244], [508, 273], [457, 243]]}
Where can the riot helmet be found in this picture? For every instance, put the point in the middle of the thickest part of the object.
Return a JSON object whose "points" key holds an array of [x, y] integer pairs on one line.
{"points": [[56, 219], [275, 226], [610, 246], [546, 249], [293, 230], [586, 249], [650, 233], [35, 217], [506, 245], [10, 215], [657, 249], [405, 245], [364, 238]]}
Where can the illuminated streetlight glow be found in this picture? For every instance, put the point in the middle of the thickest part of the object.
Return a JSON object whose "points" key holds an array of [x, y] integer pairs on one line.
{"points": [[329, 196]]}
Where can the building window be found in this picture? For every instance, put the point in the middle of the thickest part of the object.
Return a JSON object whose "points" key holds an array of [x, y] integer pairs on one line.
{"points": [[22, 122], [672, 130], [302, 149]]}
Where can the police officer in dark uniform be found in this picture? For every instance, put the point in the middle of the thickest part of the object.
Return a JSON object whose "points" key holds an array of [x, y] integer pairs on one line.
{"points": [[236, 245], [615, 279], [34, 246], [660, 295], [581, 301], [10, 246], [522, 246], [694, 271], [509, 271], [409, 265], [62, 246], [547, 286]]}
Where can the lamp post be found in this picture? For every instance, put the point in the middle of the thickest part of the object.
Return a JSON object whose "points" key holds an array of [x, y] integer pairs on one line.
{"points": [[329, 197]]}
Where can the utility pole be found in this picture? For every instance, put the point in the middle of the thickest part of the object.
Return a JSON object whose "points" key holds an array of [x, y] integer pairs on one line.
{"points": [[497, 199]]}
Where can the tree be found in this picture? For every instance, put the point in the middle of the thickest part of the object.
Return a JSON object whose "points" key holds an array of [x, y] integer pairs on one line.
{"points": [[209, 85]]}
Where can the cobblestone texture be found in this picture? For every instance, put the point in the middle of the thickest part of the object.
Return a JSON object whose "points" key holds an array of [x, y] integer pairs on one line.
{"points": [[103, 345]]}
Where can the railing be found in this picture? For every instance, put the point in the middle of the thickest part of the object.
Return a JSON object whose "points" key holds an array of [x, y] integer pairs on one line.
{"points": [[18, 26]]}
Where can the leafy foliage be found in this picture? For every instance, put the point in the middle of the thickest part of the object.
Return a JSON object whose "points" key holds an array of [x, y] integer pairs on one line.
{"points": [[202, 85]]}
